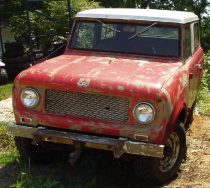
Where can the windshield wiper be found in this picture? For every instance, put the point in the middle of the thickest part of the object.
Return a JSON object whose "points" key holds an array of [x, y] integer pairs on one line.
{"points": [[107, 27], [143, 30]]}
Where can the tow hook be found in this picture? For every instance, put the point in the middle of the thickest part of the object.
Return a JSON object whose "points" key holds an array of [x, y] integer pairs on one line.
{"points": [[74, 156]]}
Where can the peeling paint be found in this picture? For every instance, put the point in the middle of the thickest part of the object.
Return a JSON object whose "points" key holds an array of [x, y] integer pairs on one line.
{"points": [[162, 82]]}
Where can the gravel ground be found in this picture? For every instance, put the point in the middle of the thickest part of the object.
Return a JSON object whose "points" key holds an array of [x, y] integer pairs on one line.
{"points": [[6, 112]]}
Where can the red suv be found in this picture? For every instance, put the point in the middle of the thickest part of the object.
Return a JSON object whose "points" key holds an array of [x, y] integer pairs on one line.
{"points": [[127, 83]]}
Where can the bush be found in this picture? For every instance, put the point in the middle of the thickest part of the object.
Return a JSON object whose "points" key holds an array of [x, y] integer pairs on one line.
{"points": [[205, 34], [204, 94]]}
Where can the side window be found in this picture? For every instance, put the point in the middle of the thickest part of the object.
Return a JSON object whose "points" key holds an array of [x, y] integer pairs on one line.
{"points": [[187, 42], [108, 31], [196, 36]]}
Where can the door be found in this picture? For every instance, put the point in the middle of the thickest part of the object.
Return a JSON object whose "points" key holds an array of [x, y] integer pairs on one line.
{"points": [[195, 61]]}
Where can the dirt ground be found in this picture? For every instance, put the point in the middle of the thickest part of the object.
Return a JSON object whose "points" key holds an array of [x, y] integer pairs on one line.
{"points": [[105, 172], [195, 172]]}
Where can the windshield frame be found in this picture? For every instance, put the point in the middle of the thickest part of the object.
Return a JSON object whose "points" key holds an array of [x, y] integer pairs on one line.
{"points": [[129, 22]]}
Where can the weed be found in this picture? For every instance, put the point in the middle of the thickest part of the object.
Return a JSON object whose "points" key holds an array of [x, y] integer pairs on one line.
{"points": [[5, 91], [8, 152], [9, 157], [27, 181], [6, 141]]}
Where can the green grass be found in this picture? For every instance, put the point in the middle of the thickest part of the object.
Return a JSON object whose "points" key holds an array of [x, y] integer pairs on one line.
{"points": [[6, 141], [8, 157], [26, 180], [5, 91], [8, 153]]}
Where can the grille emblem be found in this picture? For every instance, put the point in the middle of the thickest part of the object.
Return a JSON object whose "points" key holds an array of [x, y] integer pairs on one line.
{"points": [[83, 82]]}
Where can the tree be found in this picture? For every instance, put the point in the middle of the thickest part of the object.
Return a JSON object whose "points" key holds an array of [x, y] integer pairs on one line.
{"points": [[205, 33], [49, 22], [58, 11], [14, 7], [198, 7]]}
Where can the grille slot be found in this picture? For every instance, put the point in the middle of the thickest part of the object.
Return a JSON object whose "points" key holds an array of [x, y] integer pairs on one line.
{"points": [[88, 105]]}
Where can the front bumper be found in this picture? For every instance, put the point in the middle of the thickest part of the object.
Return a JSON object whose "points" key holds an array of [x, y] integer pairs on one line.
{"points": [[118, 145]]}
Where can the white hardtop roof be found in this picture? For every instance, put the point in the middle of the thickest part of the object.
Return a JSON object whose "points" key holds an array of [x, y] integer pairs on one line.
{"points": [[170, 16]]}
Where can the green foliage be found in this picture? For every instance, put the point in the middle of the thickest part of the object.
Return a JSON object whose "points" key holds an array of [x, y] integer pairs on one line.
{"points": [[83, 5], [6, 141], [8, 157], [7, 7], [5, 91], [14, 7], [27, 181], [204, 95], [8, 153], [49, 21], [199, 7], [205, 33]]}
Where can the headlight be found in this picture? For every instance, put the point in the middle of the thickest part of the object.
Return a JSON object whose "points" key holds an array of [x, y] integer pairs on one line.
{"points": [[30, 97], [144, 112]]}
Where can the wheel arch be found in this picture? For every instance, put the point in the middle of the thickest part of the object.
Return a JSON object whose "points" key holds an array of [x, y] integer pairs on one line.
{"points": [[178, 117]]}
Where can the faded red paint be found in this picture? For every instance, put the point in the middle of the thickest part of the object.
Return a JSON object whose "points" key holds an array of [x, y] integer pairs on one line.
{"points": [[164, 82]]}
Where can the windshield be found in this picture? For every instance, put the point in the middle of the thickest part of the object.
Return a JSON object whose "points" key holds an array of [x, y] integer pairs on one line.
{"points": [[151, 39]]}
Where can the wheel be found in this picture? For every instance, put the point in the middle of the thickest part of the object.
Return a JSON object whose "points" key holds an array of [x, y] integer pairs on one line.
{"points": [[35, 153], [162, 170], [3, 76]]}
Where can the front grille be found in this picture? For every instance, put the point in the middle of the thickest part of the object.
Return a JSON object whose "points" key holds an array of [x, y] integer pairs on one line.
{"points": [[87, 105]]}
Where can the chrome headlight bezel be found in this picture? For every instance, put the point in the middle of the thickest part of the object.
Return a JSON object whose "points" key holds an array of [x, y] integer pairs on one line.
{"points": [[35, 92], [150, 106]]}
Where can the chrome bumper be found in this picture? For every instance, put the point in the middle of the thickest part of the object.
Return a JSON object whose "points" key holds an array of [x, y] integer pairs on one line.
{"points": [[118, 146]]}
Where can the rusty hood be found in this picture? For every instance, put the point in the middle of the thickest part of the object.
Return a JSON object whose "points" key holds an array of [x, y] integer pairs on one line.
{"points": [[101, 72]]}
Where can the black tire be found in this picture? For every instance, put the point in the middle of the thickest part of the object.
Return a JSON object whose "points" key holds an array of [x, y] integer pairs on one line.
{"points": [[35, 153], [3, 76], [152, 169]]}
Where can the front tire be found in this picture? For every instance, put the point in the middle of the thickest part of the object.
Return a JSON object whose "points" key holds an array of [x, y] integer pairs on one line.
{"points": [[162, 170]]}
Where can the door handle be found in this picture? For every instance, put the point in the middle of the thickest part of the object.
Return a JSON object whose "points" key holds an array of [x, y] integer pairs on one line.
{"points": [[199, 66]]}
